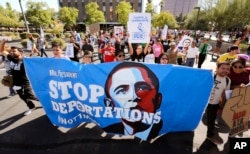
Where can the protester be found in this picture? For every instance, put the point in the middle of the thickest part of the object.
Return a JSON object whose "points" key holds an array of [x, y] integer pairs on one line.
{"points": [[220, 85], [157, 50], [203, 52], [32, 45], [136, 52], [192, 55], [87, 46], [163, 58], [57, 52], [119, 56], [230, 56], [238, 74], [20, 80], [41, 45], [108, 53], [76, 49], [87, 57], [149, 54], [172, 53], [218, 45]]}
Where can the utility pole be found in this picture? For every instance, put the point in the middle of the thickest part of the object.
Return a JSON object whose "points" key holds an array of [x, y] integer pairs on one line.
{"points": [[25, 21], [197, 18]]}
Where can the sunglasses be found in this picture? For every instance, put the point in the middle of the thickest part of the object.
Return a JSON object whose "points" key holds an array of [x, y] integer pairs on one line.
{"points": [[240, 67], [121, 55]]}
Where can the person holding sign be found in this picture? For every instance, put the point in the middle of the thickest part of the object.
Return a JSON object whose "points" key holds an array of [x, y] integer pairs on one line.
{"points": [[134, 88], [220, 85], [73, 49]]}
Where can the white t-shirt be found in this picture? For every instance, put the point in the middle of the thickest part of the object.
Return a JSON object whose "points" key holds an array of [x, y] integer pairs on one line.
{"points": [[192, 52], [149, 58], [220, 84]]}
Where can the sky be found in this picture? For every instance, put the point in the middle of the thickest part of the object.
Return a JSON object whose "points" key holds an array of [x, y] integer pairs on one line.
{"points": [[15, 4], [52, 4]]}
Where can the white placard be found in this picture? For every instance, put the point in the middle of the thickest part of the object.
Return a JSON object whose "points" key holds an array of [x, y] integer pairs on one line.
{"points": [[139, 27], [164, 32], [69, 50], [118, 31], [186, 41]]}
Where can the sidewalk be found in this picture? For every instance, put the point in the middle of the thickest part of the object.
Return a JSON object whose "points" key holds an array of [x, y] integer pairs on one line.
{"points": [[36, 134]]}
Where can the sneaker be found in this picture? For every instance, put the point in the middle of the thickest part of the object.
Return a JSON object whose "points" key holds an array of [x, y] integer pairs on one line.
{"points": [[28, 112], [216, 139]]}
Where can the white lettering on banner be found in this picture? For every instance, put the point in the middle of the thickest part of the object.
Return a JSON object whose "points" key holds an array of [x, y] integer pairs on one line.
{"points": [[80, 91], [107, 112]]}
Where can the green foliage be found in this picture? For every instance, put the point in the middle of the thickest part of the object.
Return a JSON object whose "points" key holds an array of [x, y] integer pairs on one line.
{"points": [[9, 17], [150, 9], [123, 9], [23, 35], [68, 15], [223, 14], [164, 18], [24, 43], [93, 13], [67, 34], [58, 41], [39, 14]]}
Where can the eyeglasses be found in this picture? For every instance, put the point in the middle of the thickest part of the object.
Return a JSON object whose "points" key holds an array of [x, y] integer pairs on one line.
{"points": [[164, 58], [240, 67], [121, 55]]}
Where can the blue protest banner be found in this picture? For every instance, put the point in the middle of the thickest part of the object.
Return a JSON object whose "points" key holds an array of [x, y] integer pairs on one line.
{"points": [[129, 98]]}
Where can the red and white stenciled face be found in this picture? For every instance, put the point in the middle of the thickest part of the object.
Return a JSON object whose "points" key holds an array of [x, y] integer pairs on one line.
{"points": [[131, 88]]}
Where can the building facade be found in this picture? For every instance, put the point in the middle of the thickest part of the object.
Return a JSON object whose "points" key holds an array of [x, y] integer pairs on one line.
{"points": [[107, 6], [177, 7]]}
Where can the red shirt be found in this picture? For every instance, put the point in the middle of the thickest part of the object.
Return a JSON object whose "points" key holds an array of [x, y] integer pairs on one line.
{"points": [[237, 79], [108, 54]]}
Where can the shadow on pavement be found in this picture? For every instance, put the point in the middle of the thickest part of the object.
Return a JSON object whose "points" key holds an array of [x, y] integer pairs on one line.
{"points": [[40, 136]]}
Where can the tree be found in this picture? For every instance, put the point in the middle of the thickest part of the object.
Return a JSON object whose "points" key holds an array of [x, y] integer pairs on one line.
{"points": [[123, 9], [38, 14], [150, 9], [68, 15], [9, 17], [93, 14], [164, 18]]}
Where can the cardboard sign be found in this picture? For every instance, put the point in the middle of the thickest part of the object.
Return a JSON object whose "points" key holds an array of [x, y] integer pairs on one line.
{"points": [[236, 112], [139, 27]]}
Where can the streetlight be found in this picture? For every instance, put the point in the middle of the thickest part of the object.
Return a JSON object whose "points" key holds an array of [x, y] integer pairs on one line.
{"points": [[25, 21], [198, 8]]}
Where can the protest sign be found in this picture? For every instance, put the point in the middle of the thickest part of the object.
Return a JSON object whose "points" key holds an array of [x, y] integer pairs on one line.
{"points": [[139, 27], [69, 50], [236, 112], [129, 98]]}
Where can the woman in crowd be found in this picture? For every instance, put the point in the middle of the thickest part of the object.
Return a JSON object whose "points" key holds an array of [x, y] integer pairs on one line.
{"points": [[87, 57], [163, 58], [149, 54], [136, 52], [239, 75], [119, 56]]}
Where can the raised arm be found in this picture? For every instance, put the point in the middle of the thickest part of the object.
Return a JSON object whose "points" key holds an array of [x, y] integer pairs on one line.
{"points": [[2, 48]]}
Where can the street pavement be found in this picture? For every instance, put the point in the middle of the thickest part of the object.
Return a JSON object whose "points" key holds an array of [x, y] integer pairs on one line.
{"points": [[36, 134]]}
